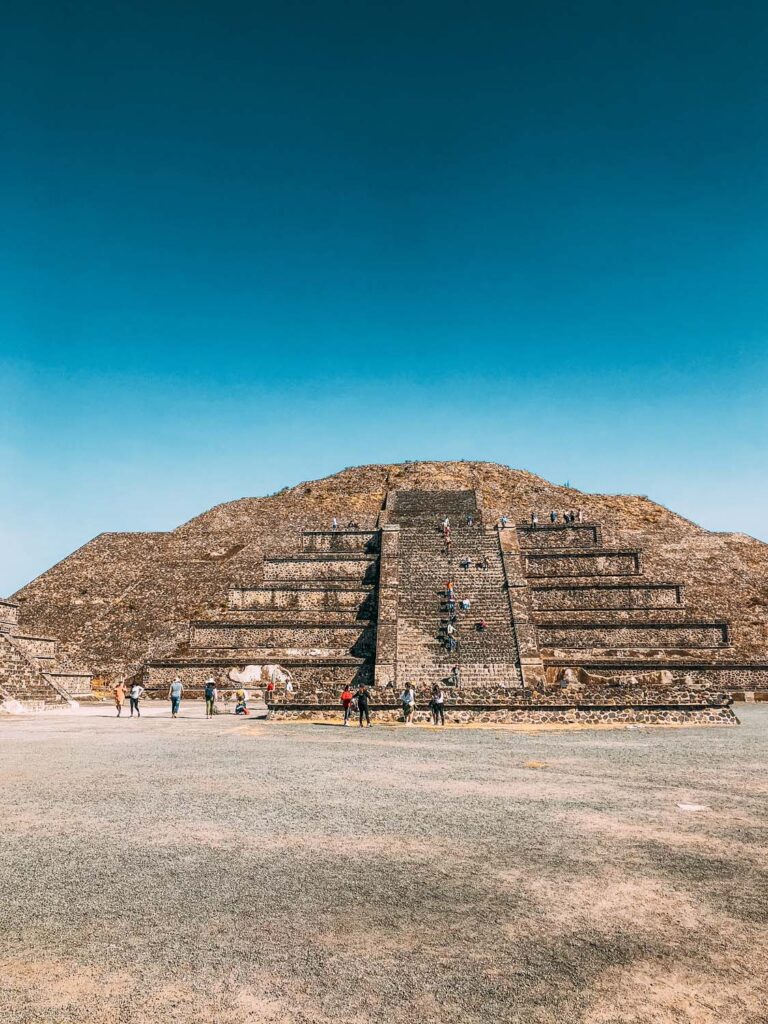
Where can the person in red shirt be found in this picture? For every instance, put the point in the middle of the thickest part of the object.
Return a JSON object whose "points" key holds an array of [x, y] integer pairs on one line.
{"points": [[270, 690], [346, 703]]}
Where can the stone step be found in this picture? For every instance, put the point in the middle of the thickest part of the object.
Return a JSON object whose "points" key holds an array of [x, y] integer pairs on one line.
{"points": [[339, 540], [632, 635], [609, 596], [597, 562], [274, 635]]}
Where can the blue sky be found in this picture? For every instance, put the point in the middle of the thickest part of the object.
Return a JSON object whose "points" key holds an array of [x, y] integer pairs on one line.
{"points": [[250, 244]]}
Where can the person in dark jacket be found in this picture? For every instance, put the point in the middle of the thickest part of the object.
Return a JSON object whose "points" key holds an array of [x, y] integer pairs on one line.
{"points": [[363, 698]]}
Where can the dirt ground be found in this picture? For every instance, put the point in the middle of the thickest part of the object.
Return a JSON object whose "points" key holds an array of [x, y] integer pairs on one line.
{"points": [[232, 871]]}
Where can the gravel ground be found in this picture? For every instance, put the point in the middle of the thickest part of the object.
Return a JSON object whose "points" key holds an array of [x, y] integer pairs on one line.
{"points": [[236, 871]]}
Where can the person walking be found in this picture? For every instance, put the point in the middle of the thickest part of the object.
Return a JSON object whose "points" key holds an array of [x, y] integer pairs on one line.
{"points": [[503, 521], [534, 519], [408, 701], [119, 697], [363, 698], [210, 695], [438, 705], [553, 516], [334, 524], [346, 702], [175, 691], [137, 692]]}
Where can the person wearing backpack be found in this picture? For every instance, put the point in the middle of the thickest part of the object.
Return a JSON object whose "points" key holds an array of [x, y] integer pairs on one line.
{"points": [[210, 698]]}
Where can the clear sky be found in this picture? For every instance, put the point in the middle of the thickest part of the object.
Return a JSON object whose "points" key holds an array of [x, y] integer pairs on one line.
{"points": [[247, 244]]}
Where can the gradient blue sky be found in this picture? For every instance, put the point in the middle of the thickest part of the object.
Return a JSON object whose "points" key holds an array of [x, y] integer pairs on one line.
{"points": [[250, 244]]}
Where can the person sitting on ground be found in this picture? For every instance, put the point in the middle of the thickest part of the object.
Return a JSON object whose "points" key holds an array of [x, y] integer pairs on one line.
{"points": [[470, 520], [465, 604], [450, 604], [465, 563], [438, 705], [241, 707], [209, 692], [485, 564], [408, 701], [481, 626], [346, 703], [119, 697]]}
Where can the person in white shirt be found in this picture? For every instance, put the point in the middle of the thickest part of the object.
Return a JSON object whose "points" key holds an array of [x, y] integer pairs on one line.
{"points": [[137, 692], [288, 686], [408, 700], [438, 705]]}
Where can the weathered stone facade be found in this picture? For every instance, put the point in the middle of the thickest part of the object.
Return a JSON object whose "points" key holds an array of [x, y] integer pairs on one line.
{"points": [[630, 588], [31, 671]]}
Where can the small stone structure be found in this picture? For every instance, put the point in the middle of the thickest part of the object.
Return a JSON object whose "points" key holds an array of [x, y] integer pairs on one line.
{"points": [[31, 670]]}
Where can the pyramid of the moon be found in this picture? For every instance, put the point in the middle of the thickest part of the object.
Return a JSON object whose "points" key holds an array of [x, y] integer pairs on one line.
{"points": [[623, 590]]}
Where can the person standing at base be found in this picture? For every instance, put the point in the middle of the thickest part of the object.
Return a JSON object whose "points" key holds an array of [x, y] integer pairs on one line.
{"points": [[175, 691], [346, 703], [438, 705], [408, 701], [210, 697], [119, 697], [137, 692], [363, 698]]}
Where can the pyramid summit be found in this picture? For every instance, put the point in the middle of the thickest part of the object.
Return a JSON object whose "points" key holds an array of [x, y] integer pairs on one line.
{"points": [[343, 579]]}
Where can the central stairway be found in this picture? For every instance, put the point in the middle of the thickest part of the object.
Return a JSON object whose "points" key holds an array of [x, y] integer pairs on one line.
{"points": [[486, 657]]}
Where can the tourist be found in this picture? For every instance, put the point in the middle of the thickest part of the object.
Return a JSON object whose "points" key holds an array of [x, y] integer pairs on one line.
{"points": [[288, 686], [481, 626], [119, 697], [465, 604], [470, 520], [447, 544], [175, 691], [334, 523], [454, 679], [503, 521], [210, 695], [137, 692], [446, 524], [580, 515], [553, 516], [450, 591], [270, 690], [408, 701], [438, 705], [363, 697], [534, 520], [450, 604], [465, 563], [346, 703], [485, 564]]}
